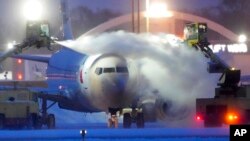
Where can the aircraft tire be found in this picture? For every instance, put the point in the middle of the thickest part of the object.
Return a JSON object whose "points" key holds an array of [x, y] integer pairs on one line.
{"points": [[37, 122], [51, 121], [31, 121], [127, 120], [1, 121], [140, 120]]}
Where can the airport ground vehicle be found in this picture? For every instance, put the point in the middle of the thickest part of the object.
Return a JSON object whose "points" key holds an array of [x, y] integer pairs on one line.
{"points": [[231, 102], [20, 108]]}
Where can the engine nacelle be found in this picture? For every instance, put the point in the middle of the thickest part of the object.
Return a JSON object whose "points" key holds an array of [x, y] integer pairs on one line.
{"points": [[149, 112], [160, 109]]}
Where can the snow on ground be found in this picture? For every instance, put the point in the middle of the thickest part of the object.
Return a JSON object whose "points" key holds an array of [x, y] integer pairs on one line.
{"points": [[99, 132]]}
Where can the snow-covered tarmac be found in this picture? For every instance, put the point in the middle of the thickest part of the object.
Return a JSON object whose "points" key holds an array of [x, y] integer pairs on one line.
{"points": [[96, 132]]}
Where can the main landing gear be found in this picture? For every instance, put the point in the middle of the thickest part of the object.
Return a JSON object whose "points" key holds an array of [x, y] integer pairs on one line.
{"points": [[133, 115], [45, 118], [130, 115]]}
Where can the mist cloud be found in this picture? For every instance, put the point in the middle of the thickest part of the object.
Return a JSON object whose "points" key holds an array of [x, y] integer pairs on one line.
{"points": [[176, 71]]}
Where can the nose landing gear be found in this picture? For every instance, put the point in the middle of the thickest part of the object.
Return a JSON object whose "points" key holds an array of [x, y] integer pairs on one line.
{"points": [[113, 120]]}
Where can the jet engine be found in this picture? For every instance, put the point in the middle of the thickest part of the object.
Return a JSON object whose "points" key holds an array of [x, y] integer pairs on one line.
{"points": [[163, 109]]}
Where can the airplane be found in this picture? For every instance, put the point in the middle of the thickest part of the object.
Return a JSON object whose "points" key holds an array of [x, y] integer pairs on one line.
{"points": [[96, 83]]}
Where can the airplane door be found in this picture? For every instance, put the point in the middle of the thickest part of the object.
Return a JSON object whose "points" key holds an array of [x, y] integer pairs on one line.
{"points": [[85, 78]]}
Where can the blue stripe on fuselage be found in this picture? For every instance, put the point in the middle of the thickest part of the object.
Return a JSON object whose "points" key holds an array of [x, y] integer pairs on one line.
{"points": [[66, 60], [63, 67], [62, 72]]}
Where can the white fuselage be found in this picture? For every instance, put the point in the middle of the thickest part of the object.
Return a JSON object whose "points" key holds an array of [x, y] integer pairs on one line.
{"points": [[107, 81]]}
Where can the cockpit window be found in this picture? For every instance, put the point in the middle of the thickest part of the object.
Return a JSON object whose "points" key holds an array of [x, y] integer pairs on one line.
{"points": [[98, 71], [108, 70], [122, 69]]}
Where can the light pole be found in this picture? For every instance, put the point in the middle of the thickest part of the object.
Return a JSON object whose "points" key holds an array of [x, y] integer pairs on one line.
{"points": [[133, 15], [138, 16], [156, 10], [147, 17]]}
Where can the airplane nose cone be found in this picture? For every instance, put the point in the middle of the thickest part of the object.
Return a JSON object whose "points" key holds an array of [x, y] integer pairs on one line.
{"points": [[115, 85], [120, 83], [114, 89]]}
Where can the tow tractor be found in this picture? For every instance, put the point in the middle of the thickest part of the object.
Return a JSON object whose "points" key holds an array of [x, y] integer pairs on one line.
{"points": [[19, 107], [231, 102]]}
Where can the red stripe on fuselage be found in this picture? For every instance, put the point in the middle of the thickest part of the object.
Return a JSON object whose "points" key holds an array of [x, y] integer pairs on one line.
{"points": [[61, 76], [81, 77]]}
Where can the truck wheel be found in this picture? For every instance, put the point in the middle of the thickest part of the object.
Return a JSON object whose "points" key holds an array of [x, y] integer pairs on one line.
{"points": [[51, 121], [38, 122], [140, 120], [1, 121], [127, 120], [30, 121]]}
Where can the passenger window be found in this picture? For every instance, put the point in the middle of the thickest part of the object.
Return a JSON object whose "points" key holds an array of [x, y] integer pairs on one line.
{"points": [[98, 71], [108, 70], [122, 69]]}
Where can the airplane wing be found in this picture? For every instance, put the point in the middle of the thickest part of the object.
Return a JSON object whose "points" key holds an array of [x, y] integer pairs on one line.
{"points": [[8, 53], [41, 84], [32, 57], [43, 92]]}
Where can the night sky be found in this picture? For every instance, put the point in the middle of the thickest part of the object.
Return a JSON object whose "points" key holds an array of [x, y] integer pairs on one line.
{"points": [[124, 5], [12, 21], [9, 7]]}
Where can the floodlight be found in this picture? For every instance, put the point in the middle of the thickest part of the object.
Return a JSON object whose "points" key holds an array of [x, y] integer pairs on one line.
{"points": [[158, 10], [33, 10], [242, 38], [10, 46]]}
